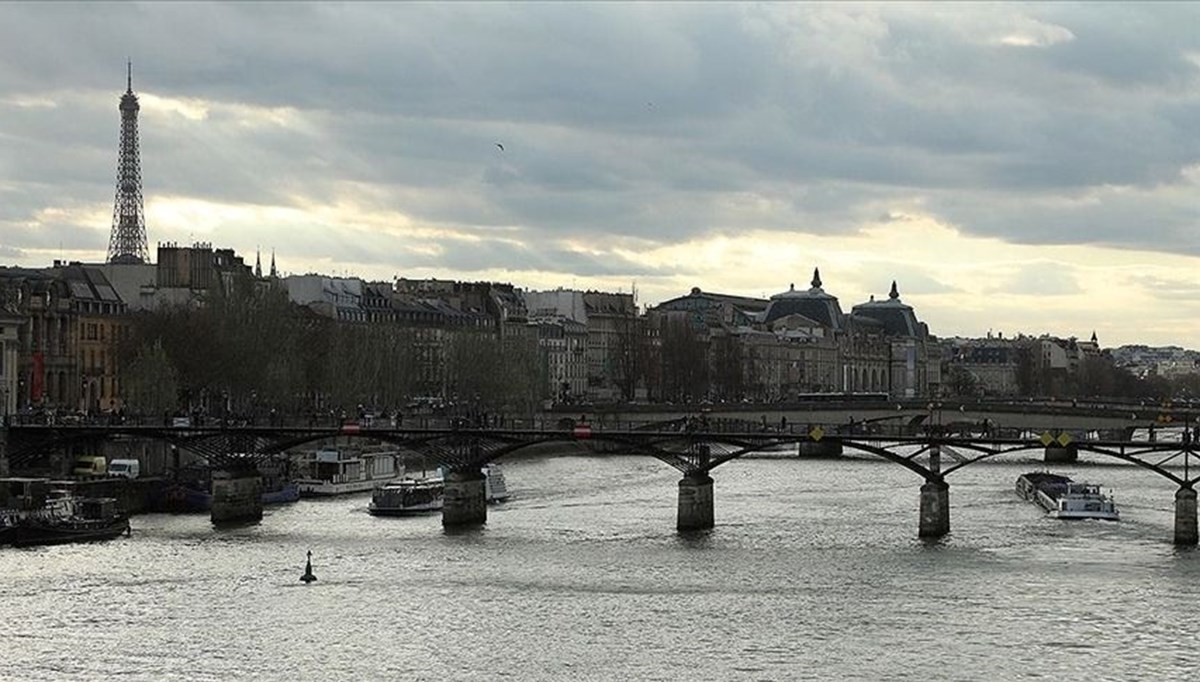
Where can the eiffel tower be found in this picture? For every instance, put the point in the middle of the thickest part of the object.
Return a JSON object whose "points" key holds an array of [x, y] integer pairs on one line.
{"points": [[127, 244]]}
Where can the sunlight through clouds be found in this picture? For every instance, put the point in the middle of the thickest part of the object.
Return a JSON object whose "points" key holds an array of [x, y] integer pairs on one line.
{"points": [[1029, 166]]}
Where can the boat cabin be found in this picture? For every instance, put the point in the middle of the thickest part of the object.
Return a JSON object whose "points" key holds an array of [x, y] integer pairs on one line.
{"points": [[347, 465], [24, 493]]}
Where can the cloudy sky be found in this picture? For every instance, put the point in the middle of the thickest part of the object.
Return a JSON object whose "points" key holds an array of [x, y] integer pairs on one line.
{"points": [[1015, 168]]}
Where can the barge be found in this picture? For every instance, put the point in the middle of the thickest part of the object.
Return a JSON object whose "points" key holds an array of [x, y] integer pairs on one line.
{"points": [[1063, 498]]}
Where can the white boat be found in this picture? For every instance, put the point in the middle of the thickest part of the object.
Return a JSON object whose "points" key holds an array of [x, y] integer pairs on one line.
{"points": [[338, 471], [494, 486], [1063, 498], [407, 496], [418, 495]]}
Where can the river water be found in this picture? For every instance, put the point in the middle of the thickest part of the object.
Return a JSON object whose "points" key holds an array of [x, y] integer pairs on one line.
{"points": [[813, 572]]}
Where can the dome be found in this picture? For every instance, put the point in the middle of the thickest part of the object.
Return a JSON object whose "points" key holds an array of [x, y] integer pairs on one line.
{"points": [[813, 303], [897, 318]]}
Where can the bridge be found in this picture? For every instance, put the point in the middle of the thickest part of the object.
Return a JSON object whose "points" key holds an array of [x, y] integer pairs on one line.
{"points": [[695, 445]]}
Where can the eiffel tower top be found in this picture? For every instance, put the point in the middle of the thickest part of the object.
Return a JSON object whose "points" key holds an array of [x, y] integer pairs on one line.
{"points": [[128, 244]]}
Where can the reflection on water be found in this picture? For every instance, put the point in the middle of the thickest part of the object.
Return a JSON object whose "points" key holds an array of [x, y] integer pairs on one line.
{"points": [[814, 571]]}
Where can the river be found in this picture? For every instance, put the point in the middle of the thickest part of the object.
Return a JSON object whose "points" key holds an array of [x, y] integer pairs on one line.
{"points": [[814, 571]]}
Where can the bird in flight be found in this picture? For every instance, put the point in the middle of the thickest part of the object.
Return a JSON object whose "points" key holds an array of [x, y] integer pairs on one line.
{"points": [[500, 146]]}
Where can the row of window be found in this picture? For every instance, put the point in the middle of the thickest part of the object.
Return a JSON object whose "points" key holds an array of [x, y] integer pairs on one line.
{"points": [[93, 331]]}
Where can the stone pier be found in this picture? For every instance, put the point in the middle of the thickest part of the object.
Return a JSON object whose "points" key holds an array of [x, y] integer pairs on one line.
{"points": [[695, 502], [1185, 517], [236, 496], [465, 499], [1061, 453], [935, 509]]}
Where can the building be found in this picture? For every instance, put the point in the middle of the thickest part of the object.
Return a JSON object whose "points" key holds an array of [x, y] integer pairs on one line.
{"points": [[10, 325], [992, 362], [721, 347], [562, 342], [47, 373], [98, 327], [913, 363], [337, 298], [614, 331], [712, 309]]}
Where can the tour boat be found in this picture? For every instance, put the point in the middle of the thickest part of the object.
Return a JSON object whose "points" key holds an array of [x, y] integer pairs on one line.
{"points": [[1063, 498], [418, 495], [339, 471]]}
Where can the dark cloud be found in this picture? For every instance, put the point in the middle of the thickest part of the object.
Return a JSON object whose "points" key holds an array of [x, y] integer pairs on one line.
{"points": [[1049, 123]]}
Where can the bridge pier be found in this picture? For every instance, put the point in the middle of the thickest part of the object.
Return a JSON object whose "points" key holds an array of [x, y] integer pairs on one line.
{"points": [[1185, 517], [1061, 453], [695, 502], [236, 496], [935, 509], [464, 500]]}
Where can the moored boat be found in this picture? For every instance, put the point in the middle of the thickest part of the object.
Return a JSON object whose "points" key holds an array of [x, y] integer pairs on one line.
{"points": [[185, 498], [68, 520], [8, 529], [1064, 498], [287, 492], [419, 495], [338, 471]]}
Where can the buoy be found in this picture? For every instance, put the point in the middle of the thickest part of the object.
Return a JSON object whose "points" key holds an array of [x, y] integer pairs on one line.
{"points": [[308, 576]]}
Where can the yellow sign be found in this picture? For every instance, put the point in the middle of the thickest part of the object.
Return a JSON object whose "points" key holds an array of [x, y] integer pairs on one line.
{"points": [[1046, 438], [1064, 440], [817, 433]]}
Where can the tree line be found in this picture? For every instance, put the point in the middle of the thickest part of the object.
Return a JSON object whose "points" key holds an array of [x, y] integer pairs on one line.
{"points": [[246, 349]]}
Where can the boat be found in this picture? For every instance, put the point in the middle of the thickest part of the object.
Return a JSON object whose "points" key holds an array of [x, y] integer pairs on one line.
{"points": [[8, 528], [407, 496], [494, 486], [338, 471], [1063, 498], [67, 520], [194, 497], [287, 492], [182, 498], [420, 495]]}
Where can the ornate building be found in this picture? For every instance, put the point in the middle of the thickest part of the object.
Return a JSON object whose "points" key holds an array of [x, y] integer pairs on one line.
{"points": [[722, 347], [913, 364], [46, 373]]}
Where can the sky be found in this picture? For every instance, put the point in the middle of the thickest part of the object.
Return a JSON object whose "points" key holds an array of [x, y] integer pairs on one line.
{"points": [[1015, 168]]}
